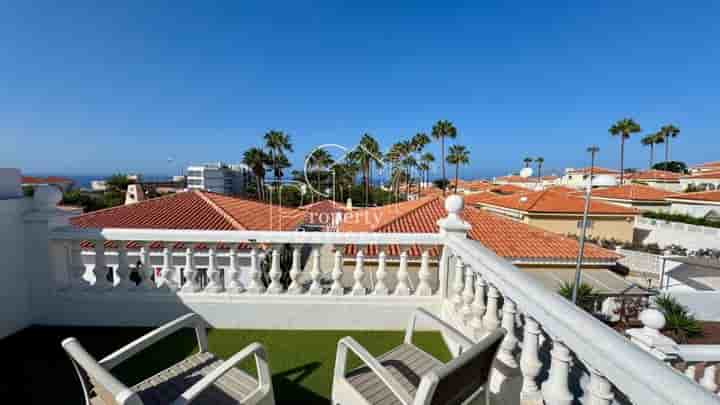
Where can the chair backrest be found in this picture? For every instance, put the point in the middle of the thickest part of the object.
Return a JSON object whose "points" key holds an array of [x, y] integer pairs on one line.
{"points": [[463, 376], [95, 379]]}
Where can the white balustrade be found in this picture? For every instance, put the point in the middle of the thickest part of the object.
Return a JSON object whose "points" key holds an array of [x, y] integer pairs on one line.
{"points": [[600, 389], [491, 320], [690, 372], [337, 272], [100, 270], [381, 274], [530, 364], [191, 285], [478, 305], [402, 288], [167, 272], [256, 285], [295, 272], [510, 342], [709, 377], [146, 270], [315, 272], [458, 284], [358, 288], [235, 285], [275, 286], [555, 390], [468, 295], [214, 274], [77, 268], [121, 278], [424, 288]]}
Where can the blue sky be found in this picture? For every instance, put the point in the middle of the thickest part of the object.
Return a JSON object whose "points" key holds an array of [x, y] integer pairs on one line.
{"points": [[87, 89]]}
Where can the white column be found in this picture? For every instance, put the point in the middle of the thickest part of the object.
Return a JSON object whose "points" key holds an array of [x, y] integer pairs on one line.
{"points": [[215, 282], [100, 270], [167, 272], [478, 305], [358, 288], [296, 272], [490, 320], [708, 378], [600, 389], [146, 272], [555, 390], [191, 284], [275, 286], [315, 272], [234, 285], [337, 271], [256, 286], [690, 372], [77, 268], [468, 294], [402, 288], [530, 364], [424, 288], [122, 273], [510, 342], [381, 273], [458, 284]]}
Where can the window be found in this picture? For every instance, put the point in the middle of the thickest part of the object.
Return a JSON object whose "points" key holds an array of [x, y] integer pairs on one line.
{"points": [[194, 182], [194, 173]]}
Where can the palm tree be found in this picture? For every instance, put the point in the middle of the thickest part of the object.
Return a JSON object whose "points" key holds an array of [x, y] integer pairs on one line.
{"points": [[667, 132], [277, 143], [256, 159], [418, 143], [527, 161], [458, 155], [426, 161], [624, 128], [650, 140], [539, 160], [441, 130], [367, 154]]}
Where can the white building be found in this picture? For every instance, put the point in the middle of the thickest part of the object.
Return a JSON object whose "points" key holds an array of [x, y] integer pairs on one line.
{"points": [[578, 178], [701, 205], [218, 178]]}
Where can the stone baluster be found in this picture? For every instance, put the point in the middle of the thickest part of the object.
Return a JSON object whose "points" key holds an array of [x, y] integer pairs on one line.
{"points": [[296, 272], [121, 277], [315, 272], [490, 320], [458, 284], [337, 272], [530, 364], [381, 273], [424, 288], [77, 268], [167, 272], [690, 372], [100, 269], [402, 288], [358, 288], [468, 295], [478, 305], [510, 342], [708, 378], [235, 286], [555, 390], [275, 286], [600, 389], [256, 286], [215, 282], [147, 273], [191, 285]]}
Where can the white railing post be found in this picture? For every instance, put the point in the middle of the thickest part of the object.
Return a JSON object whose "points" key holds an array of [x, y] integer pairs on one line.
{"points": [[337, 272], [510, 342], [234, 285], [491, 320], [708, 378], [296, 272], [191, 284], [690, 372], [468, 294], [458, 284], [256, 286], [402, 288], [381, 273], [530, 364], [600, 389], [424, 288], [146, 272], [478, 305], [167, 272], [100, 269], [77, 268], [358, 288], [215, 282], [555, 390], [315, 272], [122, 273], [275, 286]]}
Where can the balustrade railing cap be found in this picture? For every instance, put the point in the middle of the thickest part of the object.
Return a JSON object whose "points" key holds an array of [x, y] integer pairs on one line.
{"points": [[651, 339], [453, 223]]}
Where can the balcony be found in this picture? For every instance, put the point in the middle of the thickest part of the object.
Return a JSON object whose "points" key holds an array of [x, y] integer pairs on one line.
{"points": [[554, 352]]}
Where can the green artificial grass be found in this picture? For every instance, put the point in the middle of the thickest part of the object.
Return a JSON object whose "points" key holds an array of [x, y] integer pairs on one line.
{"points": [[38, 370]]}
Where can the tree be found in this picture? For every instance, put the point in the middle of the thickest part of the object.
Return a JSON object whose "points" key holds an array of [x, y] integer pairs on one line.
{"points": [[650, 140], [624, 128], [118, 181], [458, 155], [426, 161], [256, 159], [418, 143], [539, 160], [441, 130], [277, 143], [317, 161], [667, 132], [585, 297], [528, 160], [367, 154], [671, 166]]}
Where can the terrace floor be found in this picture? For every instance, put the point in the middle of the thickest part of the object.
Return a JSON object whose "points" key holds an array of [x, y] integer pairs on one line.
{"points": [[37, 369]]}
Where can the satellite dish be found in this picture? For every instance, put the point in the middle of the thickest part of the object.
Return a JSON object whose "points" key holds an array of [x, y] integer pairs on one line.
{"points": [[526, 172]]}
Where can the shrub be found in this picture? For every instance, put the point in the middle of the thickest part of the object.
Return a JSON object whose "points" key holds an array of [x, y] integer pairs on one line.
{"points": [[679, 323], [585, 295], [683, 218]]}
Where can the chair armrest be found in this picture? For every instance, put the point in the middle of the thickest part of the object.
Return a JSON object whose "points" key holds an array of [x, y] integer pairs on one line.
{"points": [[377, 368], [263, 370], [112, 360], [449, 330]]}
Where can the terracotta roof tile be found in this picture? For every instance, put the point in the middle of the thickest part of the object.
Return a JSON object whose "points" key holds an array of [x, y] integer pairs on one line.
{"points": [[707, 165], [632, 192], [556, 202], [45, 180], [653, 175], [711, 196], [704, 175]]}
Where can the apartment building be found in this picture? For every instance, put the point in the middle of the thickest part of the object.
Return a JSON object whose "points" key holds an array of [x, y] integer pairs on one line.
{"points": [[218, 178]]}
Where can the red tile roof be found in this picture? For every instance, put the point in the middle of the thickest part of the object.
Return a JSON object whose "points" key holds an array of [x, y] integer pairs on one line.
{"points": [[199, 210], [507, 238], [632, 192], [653, 175], [45, 180], [709, 196], [516, 179], [707, 165], [704, 175], [596, 170], [555, 202]]}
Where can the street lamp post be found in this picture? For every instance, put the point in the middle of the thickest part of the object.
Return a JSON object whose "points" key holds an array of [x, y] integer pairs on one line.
{"points": [[578, 268]]}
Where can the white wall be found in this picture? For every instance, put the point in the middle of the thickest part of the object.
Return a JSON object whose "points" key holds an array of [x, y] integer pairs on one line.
{"points": [[705, 305], [15, 311], [695, 210], [666, 233]]}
